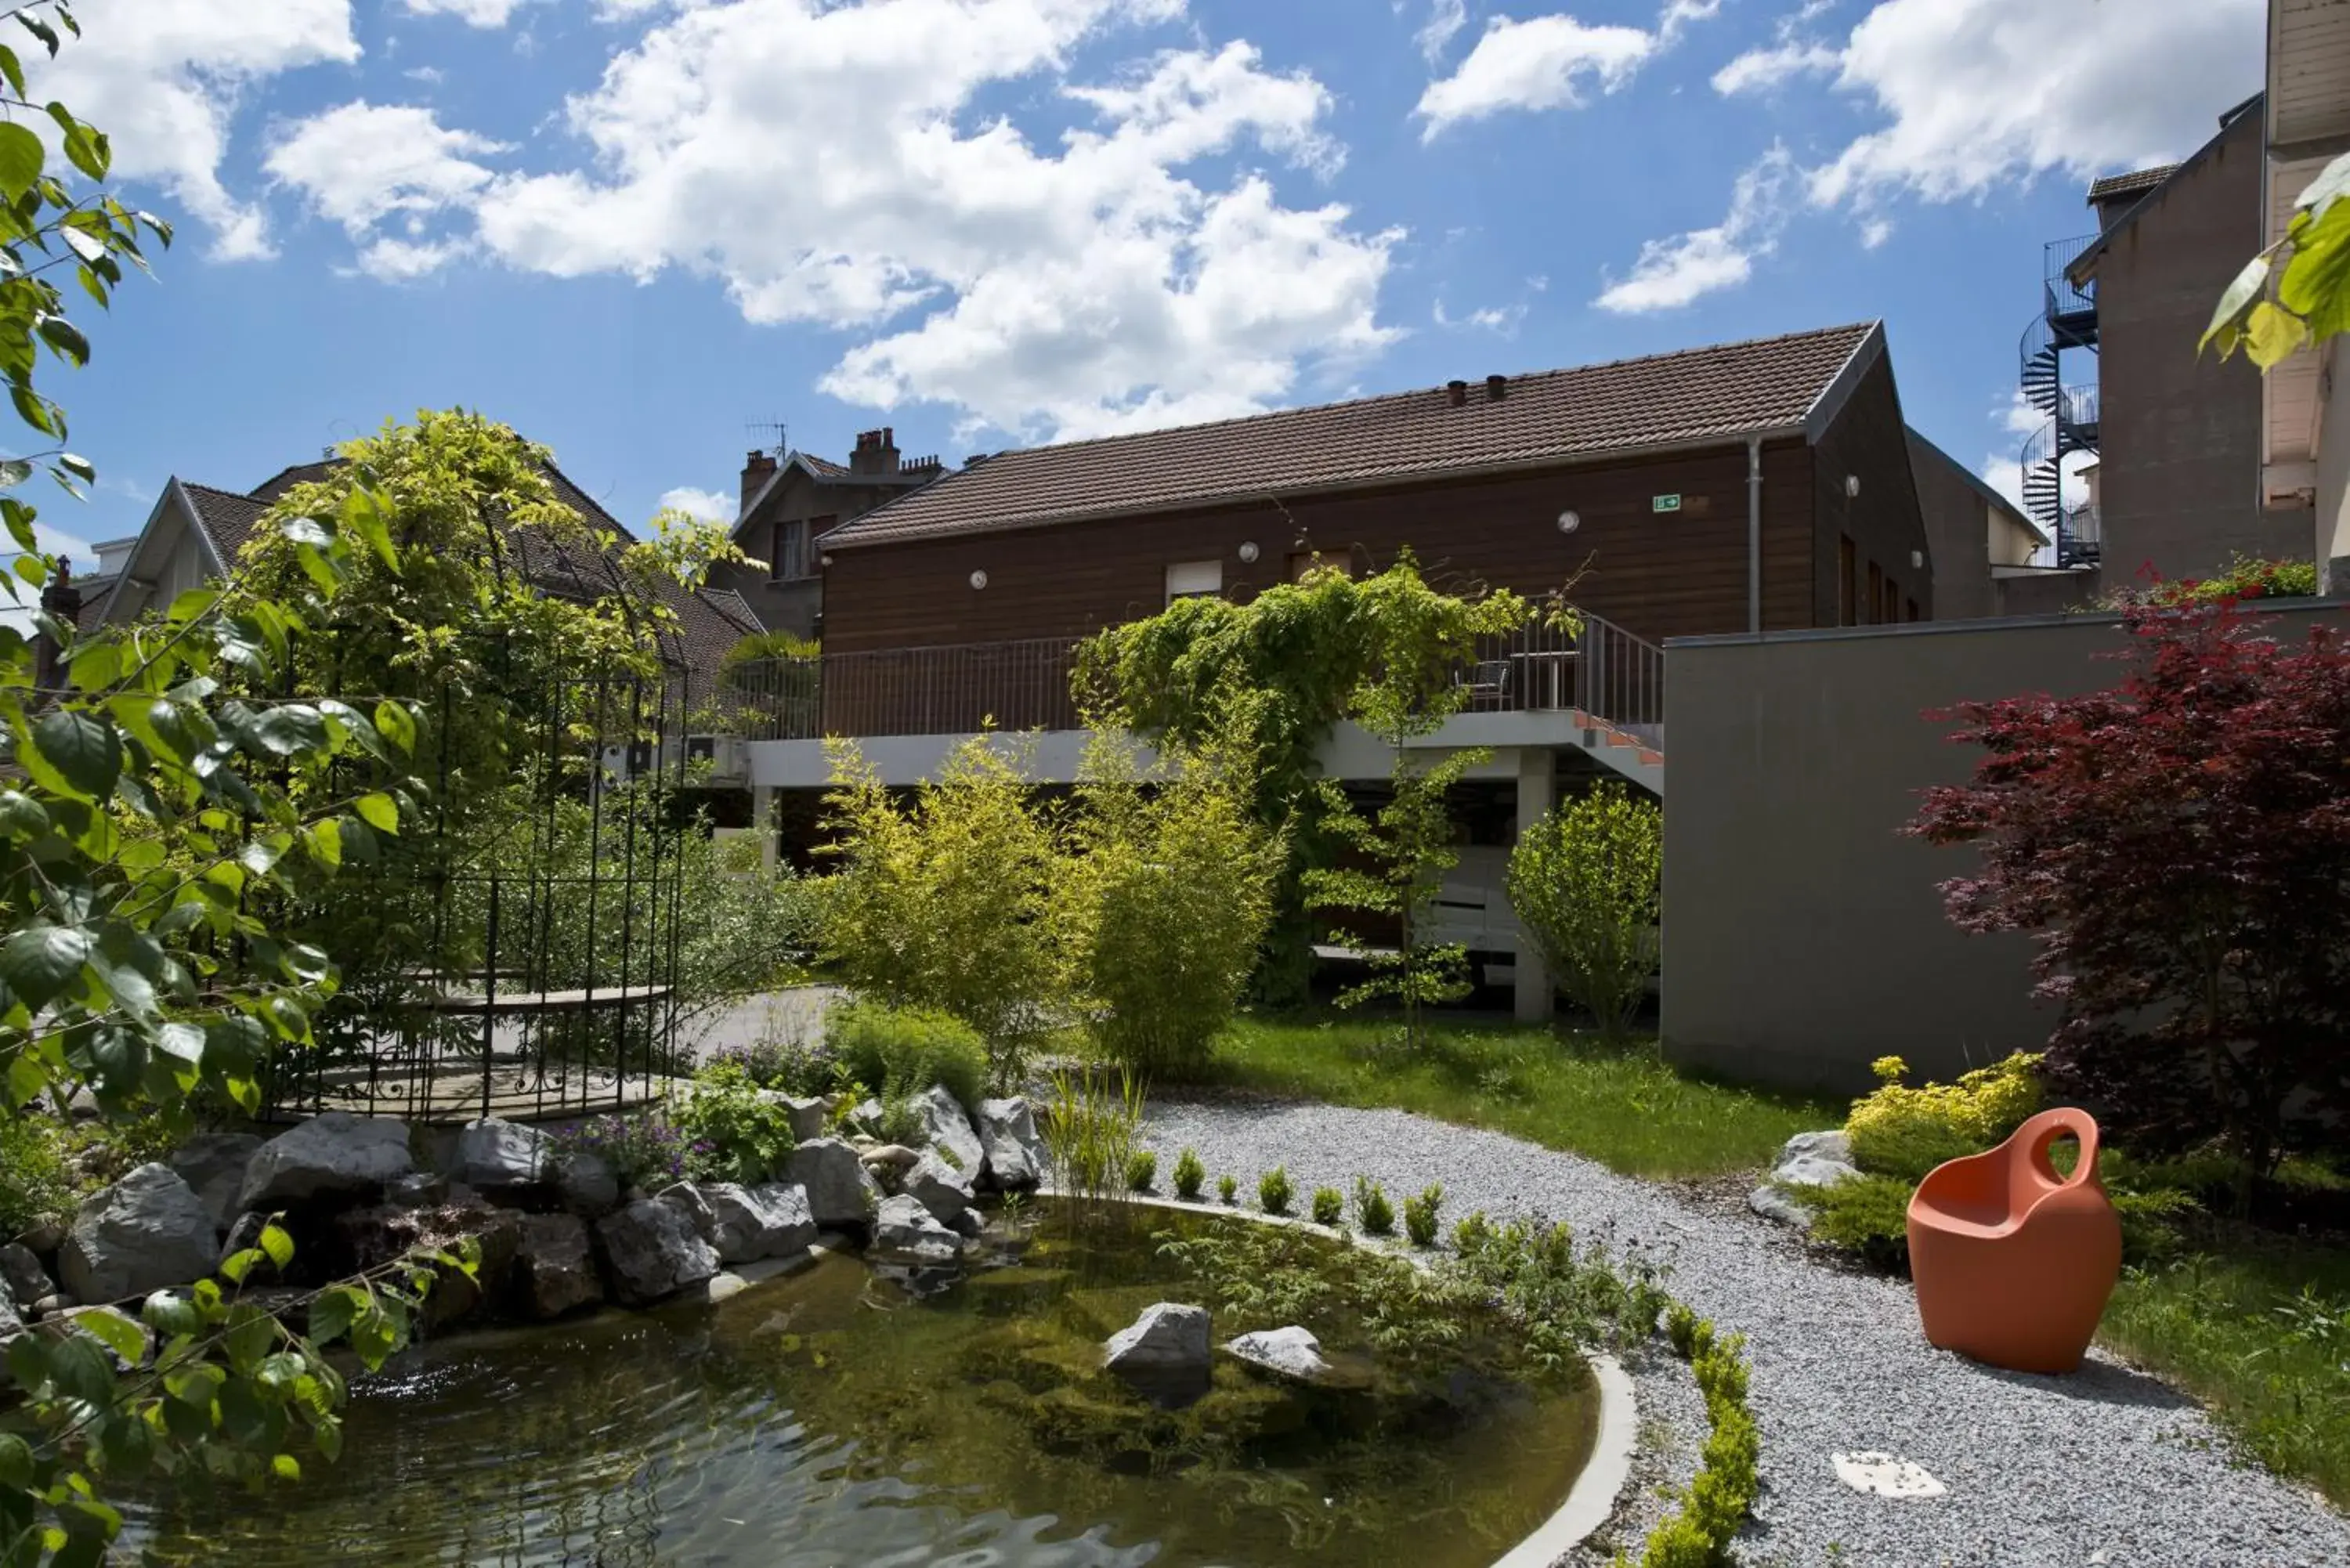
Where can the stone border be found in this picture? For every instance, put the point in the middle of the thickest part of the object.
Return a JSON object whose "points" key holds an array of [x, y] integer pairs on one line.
{"points": [[1591, 1501]]}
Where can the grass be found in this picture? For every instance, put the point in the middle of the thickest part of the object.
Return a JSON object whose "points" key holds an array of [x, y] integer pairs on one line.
{"points": [[1621, 1106]]}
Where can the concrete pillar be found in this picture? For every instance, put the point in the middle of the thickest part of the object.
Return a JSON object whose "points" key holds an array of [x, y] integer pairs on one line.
{"points": [[762, 822], [1537, 783]]}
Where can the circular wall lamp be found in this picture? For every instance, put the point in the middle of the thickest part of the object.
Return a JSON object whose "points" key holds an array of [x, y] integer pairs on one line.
{"points": [[979, 579], [1852, 484], [1568, 522], [1248, 551], [1917, 557]]}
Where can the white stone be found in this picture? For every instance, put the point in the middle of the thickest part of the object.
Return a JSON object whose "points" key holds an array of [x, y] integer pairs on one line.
{"points": [[1168, 1337], [905, 1230], [1292, 1352], [1812, 1159], [1886, 1475], [1015, 1155]]}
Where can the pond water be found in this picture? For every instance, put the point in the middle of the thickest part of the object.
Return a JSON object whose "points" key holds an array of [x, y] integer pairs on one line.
{"points": [[843, 1417]]}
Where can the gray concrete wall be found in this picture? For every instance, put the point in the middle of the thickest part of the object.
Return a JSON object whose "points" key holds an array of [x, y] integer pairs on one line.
{"points": [[1803, 937]]}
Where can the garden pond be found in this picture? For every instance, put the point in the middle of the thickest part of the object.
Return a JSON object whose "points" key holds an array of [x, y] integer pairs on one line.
{"points": [[851, 1414]]}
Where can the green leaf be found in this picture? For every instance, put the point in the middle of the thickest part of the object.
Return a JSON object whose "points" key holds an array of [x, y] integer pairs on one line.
{"points": [[13, 71], [325, 838], [236, 1265], [293, 727], [113, 1330], [379, 811], [20, 160], [21, 816], [74, 753], [2238, 299], [278, 1245], [39, 29], [65, 337], [2316, 282], [328, 1435], [184, 1041], [169, 1314], [392, 723], [39, 962], [89, 247], [15, 1463], [285, 1468], [334, 1311], [14, 472], [2271, 334]]}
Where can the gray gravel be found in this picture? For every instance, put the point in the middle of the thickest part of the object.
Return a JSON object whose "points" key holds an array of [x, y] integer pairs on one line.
{"points": [[2108, 1466]]}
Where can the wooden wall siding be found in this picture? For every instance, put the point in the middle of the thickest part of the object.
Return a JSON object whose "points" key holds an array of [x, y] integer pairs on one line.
{"points": [[1658, 576], [1884, 522]]}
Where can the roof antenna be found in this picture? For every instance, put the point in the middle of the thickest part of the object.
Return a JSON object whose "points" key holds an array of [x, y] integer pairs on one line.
{"points": [[762, 429]]}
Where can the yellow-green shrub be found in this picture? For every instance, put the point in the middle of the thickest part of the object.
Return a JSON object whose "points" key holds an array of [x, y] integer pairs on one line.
{"points": [[1905, 1132]]}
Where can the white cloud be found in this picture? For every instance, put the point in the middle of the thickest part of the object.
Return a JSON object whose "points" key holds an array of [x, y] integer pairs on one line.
{"points": [[1676, 271], [430, 76], [1981, 92], [1540, 64], [823, 161], [707, 504], [1677, 14], [1445, 20], [472, 12], [165, 78], [360, 163], [1759, 70], [1504, 320]]}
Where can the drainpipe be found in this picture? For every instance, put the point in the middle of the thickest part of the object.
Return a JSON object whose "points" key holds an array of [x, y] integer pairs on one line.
{"points": [[1754, 534]]}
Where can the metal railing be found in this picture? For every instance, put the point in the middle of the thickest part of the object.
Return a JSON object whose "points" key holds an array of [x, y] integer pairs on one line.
{"points": [[2065, 299], [1599, 669], [2079, 539]]}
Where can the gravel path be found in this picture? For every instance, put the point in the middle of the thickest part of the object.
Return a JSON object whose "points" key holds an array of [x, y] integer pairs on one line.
{"points": [[2106, 1467]]}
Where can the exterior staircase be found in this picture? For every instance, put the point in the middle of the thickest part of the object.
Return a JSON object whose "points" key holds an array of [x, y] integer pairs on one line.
{"points": [[2067, 321]]}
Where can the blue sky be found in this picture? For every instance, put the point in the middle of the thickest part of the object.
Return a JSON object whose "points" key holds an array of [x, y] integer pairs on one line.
{"points": [[631, 228]]}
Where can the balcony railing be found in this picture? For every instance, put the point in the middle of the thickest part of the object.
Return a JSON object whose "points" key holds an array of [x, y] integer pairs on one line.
{"points": [[2066, 300], [1600, 670]]}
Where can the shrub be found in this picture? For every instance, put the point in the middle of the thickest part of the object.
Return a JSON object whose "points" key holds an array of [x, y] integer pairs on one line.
{"points": [[2245, 577], [1188, 1174], [1273, 1190], [1141, 1169], [1329, 1205], [1868, 1215], [1419, 1216], [1472, 1233], [947, 902], [895, 1052], [1586, 882], [1905, 1132], [645, 1152], [1227, 1188], [732, 1131], [794, 1066], [1682, 1325], [1372, 1208], [36, 1182], [1166, 897], [2174, 847]]}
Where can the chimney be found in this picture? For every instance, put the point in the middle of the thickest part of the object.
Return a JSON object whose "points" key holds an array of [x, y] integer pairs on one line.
{"points": [[876, 453], [757, 469], [1496, 388], [1455, 392]]}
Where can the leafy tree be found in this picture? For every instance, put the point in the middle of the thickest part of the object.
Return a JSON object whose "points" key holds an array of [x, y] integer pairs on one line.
{"points": [[2297, 291], [2180, 847], [946, 902], [1586, 882]]}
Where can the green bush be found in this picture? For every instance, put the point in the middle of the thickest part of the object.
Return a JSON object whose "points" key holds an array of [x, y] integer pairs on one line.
{"points": [[1471, 1234], [1697, 1534], [896, 1052], [1141, 1169], [1586, 882], [1372, 1208], [1273, 1190], [1329, 1205], [1866, 1215], [1904, 1132], [1419, 1216], [1228, 1188], [1188, 1174], [732, 1131], [36, 1181]]}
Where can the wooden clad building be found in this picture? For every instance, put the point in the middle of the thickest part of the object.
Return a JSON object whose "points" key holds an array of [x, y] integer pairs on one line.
{"points": [[1760, 484]]}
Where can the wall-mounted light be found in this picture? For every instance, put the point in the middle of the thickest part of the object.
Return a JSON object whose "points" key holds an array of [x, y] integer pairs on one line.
{"points": [[1568, 522], [1852, 484], [1917, 558], [823, 560], [979, 579], [1248, 551]]}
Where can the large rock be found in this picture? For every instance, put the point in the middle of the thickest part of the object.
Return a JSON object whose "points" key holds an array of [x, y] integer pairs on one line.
{"points": [[653, 1251], [840, 1191], [905, 1230], [1167, 1337], [555, 1266], [375, 1236], [690, 1201], [332, 1156], [214, 1164], [22, 1275], [1291, 1352], [947, 1130], [1014, 1154], [148, 1231], [495, 1155], [942, 1189], [751, 1223], [808, 1114], [1810, 1161], [12, 1324], [587, 1183]]}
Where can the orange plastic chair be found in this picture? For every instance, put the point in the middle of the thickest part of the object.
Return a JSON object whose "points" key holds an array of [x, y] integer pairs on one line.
{"points": [[2014, 1263]]}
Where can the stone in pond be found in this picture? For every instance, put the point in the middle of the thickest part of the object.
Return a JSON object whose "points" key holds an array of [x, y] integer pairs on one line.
{"points": [[1291, 1352], [751, 1223], [556, 1265], [947, 1130], [889, 1161], [905, 1230], [1167, 1337], [654, 1250], [841, 1190], [940, 1186], [495, 1155], [587, 1183], [214, 1165], [335, 1154], [1015, 1155], [22, 1274], [148, 1231]]}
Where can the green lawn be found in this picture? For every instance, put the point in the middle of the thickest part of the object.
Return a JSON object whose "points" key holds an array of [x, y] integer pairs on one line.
{"points": [[1623, 1107]]}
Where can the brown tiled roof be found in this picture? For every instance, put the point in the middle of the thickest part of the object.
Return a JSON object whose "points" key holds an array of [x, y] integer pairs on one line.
{"points": [[228, 517], [2144, 180], [1701, 394], [734, 608]]}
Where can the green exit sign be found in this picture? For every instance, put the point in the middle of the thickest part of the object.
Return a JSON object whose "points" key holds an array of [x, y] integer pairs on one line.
{"points": [[1664, 504]]}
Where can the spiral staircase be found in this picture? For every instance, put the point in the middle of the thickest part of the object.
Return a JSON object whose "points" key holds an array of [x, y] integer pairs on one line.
{"points": [[2067, 323]]}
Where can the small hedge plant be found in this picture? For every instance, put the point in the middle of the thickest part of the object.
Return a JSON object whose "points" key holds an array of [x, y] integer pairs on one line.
{"points": [[896, 1052], [1190, 1174], [1419, 1216], [1141, 1169], [1698, 1532], [1273, 1190], [1372, 1207], [1329, 1205], [1228, 1188]]}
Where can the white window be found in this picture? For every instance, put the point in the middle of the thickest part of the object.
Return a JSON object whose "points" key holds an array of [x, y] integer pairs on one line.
{"points": [[1191, 579]]}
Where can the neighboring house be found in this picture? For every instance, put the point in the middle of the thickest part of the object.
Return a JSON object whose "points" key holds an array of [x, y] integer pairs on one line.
{"points": [[788, 503], [2113, 362], [1763, 484], [195, 533], [1983, 548]]}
